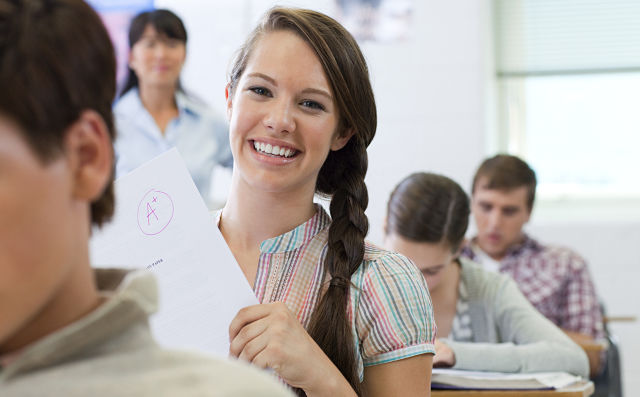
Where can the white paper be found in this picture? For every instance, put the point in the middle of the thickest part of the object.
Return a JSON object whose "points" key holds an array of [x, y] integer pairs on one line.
{"points": [[556, 380], [161, 223]]}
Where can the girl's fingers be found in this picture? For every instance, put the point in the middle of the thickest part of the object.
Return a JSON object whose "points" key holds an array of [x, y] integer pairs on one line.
{"points": [[263, 360], [246, 335], [247, 315], [254, 347]]}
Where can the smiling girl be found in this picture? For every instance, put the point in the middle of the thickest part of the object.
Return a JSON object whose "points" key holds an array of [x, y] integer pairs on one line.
{"points": [[338, 315]]}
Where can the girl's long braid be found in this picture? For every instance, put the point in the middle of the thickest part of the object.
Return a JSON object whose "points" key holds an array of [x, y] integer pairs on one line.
{"points": [[344, 255]]}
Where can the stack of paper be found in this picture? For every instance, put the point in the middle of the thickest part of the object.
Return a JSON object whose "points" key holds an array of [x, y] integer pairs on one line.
{"points": [[458, 379]]}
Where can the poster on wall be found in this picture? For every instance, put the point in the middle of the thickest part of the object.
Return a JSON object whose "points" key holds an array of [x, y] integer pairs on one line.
{"points": [[116, 16], [376, 20]]}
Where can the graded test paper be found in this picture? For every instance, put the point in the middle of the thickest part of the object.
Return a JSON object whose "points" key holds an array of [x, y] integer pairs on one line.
{"points": [[162, 224]]}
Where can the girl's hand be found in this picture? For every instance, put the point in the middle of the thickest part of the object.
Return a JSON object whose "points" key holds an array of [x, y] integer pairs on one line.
{"points": [[270, 336], [445, 357]]}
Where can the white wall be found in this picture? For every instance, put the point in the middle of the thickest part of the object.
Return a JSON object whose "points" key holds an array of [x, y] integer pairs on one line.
{"points": [[434, 95]]}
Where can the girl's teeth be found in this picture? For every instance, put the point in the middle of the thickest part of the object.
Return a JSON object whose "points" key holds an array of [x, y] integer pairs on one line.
{"points": [[273, 150]]}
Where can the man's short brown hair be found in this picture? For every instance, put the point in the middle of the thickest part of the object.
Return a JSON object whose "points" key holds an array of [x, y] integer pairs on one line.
{"points": [[506, 172], [56, 60]]}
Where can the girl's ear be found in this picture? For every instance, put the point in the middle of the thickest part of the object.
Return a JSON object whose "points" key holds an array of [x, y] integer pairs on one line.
{"points": [[339, 141], [89, 151], [456, 254], [228, 96], [130, 60]]}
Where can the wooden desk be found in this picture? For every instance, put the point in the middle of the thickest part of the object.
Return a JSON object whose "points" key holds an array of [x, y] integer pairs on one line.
{"points": [[579, 389]]}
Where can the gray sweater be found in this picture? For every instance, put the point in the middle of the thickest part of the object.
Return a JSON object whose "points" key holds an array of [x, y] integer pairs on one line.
{"points": [[509, 334], [110, 352]]}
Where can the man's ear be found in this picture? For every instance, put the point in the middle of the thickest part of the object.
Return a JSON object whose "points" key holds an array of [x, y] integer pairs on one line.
{"points": [[340, 140], [228, 96], [89, 151]]}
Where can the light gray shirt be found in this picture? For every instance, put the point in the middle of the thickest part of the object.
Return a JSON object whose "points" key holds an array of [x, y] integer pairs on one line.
{"points": [[110, 352], [509, 334], [200, 135]]}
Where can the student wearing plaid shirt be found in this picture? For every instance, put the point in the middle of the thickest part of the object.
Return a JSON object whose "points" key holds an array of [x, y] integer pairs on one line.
{"points": [[555, 280], [338, 316]]}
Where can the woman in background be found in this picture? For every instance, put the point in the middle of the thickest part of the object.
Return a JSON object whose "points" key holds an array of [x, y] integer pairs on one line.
{"points": [[154, 114], [338, 316], [484, 321]]}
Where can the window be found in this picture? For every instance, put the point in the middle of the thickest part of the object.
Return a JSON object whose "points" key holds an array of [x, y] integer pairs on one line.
{"points": [[568, 75]]}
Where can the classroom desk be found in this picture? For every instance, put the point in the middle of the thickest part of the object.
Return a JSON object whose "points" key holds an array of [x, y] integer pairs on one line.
{"points": [[580, 389]]}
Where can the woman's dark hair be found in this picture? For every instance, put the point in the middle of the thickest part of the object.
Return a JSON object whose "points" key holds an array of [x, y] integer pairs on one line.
{"points": [[427, 207], [165, 23], [56, 61], [342, 174]]}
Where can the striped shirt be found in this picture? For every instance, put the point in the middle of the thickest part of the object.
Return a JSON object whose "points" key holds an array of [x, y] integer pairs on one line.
{"points": [[390, 308]]}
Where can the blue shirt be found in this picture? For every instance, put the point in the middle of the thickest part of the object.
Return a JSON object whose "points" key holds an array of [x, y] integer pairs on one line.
{"points": [[201, 138]]}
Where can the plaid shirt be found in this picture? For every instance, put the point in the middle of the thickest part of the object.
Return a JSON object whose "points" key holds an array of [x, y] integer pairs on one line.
{"points": [[556, 281], [390, 308]]}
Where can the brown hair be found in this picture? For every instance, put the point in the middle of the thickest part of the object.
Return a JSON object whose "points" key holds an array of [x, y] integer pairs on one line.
{"points": [[342, 174], [56, 60], [506, 172], [426, 207]]}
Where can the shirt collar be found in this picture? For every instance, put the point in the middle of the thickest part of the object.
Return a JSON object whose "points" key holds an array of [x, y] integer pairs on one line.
{"points": [[527, 244], [132, 105], [132, 297], [299, 236], [186, 104]]}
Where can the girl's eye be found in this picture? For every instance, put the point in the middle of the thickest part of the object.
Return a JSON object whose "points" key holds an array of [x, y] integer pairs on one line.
{"points": [[430, 272], [312, 105], [173, 43], [261, 91]]}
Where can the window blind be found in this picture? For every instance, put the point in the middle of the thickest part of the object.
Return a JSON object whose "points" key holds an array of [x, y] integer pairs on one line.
{"points": [[552, 37]]}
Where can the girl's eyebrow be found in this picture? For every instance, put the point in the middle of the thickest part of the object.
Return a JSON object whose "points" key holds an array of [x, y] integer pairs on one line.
{"points": [[317, 91], [263, 76]]}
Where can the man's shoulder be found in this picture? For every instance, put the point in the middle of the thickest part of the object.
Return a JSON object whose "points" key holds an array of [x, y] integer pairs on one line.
{"points": [[550, 254], [149, 372]]}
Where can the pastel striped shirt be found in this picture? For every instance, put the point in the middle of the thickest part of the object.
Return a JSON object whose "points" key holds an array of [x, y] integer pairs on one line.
{"points": [[390, 308]]}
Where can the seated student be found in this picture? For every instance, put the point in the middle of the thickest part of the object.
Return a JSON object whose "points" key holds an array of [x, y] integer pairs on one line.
{"points": [[554, 279], [65, 330], [484, 321]]}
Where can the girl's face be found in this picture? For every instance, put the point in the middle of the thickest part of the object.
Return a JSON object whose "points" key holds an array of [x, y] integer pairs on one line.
{"points": [[431, 258], [157, 59], [283, 117]]}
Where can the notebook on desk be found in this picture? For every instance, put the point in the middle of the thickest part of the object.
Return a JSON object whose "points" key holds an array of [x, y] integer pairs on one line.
{"points": [[475, 380]]}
